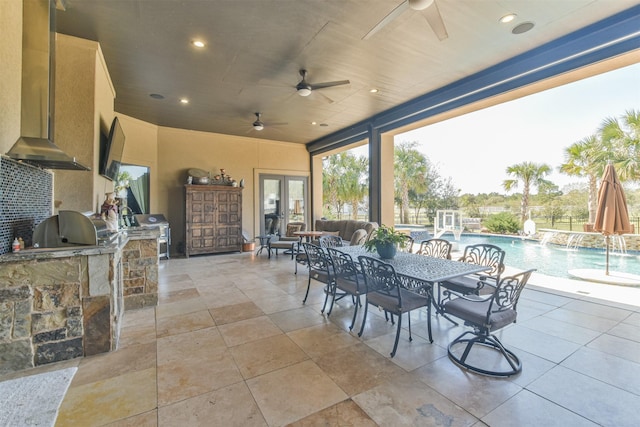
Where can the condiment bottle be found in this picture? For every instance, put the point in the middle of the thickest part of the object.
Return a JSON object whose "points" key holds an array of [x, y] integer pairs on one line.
{"points": [[21, 243], [16, 245]]}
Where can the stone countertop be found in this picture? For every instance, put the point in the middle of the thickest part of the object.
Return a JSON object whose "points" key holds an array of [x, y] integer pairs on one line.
{"points": [[132, 233]]}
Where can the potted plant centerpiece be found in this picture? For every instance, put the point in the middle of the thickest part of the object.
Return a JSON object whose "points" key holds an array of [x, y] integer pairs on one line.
{"points": [[385, 241]]}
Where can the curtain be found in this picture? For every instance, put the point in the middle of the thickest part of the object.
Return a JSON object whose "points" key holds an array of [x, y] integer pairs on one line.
{"points": [[140, 188]]}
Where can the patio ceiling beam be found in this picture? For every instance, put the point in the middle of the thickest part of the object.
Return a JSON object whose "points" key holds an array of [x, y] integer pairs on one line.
{"points": [[602, 40]]}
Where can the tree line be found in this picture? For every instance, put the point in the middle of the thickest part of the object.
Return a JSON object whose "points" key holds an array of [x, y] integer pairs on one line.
{"points": [[421, 189]]}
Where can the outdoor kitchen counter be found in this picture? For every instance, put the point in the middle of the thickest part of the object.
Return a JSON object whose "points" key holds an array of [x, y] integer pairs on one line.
{"points": [[62, 303], [131, 233], [65, 251]]}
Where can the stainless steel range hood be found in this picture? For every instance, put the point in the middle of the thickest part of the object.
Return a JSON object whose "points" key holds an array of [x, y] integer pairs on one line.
{"points": [[35, 144]]}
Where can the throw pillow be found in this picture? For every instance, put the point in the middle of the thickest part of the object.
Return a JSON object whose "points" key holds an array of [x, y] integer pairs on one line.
{"points": [[291, 228], [330, 233]]}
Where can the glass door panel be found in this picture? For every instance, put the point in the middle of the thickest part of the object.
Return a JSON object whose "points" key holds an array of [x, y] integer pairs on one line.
{"points": [[283, 200], [271, 189], [296, 191]]}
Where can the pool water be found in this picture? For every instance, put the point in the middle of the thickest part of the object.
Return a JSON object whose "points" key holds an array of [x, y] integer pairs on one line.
{"points": [[552, 260]]}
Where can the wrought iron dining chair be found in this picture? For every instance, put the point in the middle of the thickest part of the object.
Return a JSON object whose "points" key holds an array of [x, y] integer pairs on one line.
{"points": [[436, 248], [320, 269], [347, 279], [300, 257], [290, 243], [406, 245], [487, 314], [384, 290], [483, 254]]}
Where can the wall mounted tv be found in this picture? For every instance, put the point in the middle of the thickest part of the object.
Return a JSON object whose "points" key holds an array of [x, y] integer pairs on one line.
{"points": [[111, 152]]}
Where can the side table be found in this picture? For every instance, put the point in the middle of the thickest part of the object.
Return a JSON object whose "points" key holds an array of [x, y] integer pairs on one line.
{"points": [[264, 244]]}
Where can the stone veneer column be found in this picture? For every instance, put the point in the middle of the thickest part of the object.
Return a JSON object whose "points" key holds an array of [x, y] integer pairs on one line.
{"points": [[40, 313], [55, 308], [140, 261]]}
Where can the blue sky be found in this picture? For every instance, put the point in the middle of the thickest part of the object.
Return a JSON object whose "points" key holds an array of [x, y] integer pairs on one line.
{"points": [[475, 149]]}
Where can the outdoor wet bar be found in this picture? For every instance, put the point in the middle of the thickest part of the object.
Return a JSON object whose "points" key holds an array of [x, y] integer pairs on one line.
{"points": [[66, 302]]}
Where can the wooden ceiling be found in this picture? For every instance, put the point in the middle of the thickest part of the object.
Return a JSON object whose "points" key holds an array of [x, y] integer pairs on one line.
{"points": [[255, 49]]}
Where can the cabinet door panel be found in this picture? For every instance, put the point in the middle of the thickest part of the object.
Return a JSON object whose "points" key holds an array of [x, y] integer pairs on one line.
{"points": [[213, 219]]}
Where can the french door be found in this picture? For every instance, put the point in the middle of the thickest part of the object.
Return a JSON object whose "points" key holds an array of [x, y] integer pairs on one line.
{"points": [[283, 200]]}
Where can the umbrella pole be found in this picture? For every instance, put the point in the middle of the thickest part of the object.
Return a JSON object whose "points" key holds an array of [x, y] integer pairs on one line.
{"points": [[606, 272]]}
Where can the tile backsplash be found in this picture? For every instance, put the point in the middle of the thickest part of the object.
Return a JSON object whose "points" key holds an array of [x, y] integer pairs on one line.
{"points": [[26, 199]]}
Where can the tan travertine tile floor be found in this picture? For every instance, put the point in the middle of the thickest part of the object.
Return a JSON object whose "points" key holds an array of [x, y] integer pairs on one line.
{"points": [[231, 344]]}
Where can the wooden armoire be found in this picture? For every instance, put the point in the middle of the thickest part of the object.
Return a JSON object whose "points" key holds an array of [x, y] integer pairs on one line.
{"points": [[213, 221]]}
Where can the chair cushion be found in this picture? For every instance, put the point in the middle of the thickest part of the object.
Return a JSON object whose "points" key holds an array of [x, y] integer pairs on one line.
{"points": [[350, 286], [293, 228], [465, 285], [386, 302], [475, 312], [331, 233], [410, 301], [282, 244], [319, 275]]}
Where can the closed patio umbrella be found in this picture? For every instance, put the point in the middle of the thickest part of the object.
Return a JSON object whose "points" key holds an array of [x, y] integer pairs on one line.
{"points": [[612, 216]]}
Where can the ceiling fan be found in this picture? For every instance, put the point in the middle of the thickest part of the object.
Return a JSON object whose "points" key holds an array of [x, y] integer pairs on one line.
{"points": [[304, 88], [431, 14], [259, 124]]}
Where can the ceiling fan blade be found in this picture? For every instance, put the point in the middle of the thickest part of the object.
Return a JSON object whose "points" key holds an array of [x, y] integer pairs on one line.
{"points": [[322, 95], [276, 124], [387, 19], [329, 84], [433, 17]]}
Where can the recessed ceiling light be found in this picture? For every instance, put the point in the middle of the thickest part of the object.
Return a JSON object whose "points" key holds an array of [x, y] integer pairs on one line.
{"points": [[184, 101], [522, 28], [374, 90], [314, 123], [508, 18], [198, 43], [156, 96]]}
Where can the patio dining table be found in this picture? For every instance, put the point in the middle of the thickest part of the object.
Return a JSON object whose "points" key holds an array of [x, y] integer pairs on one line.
{"points": [[420, 267], [418, 273]]}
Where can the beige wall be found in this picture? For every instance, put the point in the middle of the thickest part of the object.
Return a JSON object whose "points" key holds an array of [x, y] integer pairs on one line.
{"points": [[241, 157], [84, 99], [170, 153], [141, 148], [102, 117], [10, 72]]}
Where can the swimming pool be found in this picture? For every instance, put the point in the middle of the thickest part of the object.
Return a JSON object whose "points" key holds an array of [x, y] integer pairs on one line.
{"points": [[551, 260]]}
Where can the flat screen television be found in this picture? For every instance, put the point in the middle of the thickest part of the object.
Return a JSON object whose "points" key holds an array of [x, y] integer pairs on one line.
{"points": [[111, 153]]}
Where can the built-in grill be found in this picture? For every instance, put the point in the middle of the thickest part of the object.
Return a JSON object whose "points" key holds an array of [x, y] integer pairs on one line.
{"points": [[71, 228], [160, 222]]}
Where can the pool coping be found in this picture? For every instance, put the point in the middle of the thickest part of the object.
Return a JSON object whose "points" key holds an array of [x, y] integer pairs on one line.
{"points": [[626, 297]]}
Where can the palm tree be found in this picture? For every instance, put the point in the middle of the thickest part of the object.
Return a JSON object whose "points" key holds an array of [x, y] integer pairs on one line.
{"points": [[622, 137], [410, 174], [353, 187], [584, 158], [330, 184], [344, 182], [531, 174]]}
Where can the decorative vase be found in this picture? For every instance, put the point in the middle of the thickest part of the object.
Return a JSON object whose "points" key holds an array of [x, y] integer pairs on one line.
{"points": [[386, 250]]}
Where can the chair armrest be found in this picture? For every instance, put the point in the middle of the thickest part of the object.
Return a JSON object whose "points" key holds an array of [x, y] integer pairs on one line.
{"points": [[449, 295]]}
